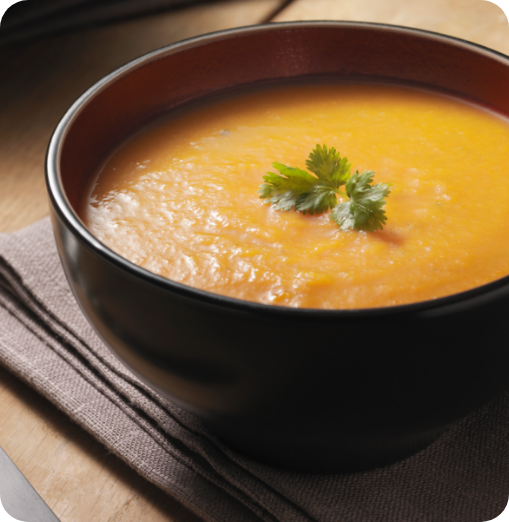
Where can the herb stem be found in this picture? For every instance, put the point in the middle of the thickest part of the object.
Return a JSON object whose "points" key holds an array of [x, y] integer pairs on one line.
{"points": [[342, 194]]}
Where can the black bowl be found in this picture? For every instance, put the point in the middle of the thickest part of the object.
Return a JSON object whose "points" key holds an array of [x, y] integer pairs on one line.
{"points": [[304, 389]]}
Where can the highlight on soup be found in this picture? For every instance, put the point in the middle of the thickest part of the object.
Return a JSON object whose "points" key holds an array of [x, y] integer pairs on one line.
{"points": [[181, 199]]}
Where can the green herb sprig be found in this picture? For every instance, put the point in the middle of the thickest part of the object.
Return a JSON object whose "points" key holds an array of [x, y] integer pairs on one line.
{"points": [[298, 189]]}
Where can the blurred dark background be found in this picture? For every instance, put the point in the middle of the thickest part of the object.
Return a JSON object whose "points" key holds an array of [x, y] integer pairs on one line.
{"points": [[30, 19]]}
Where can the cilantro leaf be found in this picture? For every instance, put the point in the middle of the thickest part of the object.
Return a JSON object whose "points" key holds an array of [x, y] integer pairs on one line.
{"points": [[364, 210], [317, 201], [329, 166], [296, 188], [283, 191]]}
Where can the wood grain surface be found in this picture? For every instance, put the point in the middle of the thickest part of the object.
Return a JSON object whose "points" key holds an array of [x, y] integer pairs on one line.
{"points": [[39, 80], [475, 20]]}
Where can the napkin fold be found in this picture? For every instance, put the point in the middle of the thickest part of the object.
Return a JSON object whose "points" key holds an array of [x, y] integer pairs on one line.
{"points": [[45, 340]]}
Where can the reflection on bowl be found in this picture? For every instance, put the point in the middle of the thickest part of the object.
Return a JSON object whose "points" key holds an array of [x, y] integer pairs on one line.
{"points": [[307, 389]]}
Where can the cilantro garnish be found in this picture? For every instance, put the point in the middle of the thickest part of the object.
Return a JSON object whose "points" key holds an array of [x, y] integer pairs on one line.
{"points": [[296, 188]]}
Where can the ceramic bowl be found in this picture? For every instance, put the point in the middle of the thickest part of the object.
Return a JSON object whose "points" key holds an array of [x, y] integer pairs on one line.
{"points": [[313, 390]]}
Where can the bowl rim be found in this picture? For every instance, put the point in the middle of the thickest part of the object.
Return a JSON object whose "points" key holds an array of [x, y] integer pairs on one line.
{"points": [[63, 208]]}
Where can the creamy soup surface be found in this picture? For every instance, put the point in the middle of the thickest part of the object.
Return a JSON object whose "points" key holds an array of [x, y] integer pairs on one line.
{"points": [[181, 197]]}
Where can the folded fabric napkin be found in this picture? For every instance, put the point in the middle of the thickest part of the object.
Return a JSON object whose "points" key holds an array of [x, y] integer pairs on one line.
{"points": [[46, 341]]}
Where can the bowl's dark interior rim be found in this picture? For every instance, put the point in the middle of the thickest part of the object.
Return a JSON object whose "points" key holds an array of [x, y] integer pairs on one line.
{"points": [[67, 213]]}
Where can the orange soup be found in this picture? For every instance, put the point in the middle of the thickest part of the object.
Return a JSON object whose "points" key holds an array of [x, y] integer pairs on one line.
{"points": [[181, 198]]}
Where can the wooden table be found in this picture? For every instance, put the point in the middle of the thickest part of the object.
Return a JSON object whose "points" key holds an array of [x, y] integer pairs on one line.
{"points": [[76, 476]]}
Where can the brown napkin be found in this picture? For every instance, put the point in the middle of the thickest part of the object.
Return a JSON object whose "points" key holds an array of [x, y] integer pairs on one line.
{"points": [[44, 338]]}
